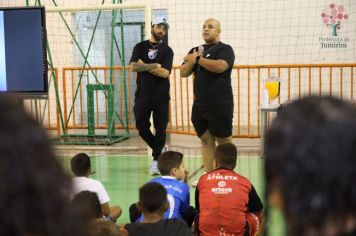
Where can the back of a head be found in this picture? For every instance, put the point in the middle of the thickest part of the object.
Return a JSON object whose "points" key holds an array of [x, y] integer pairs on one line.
{"points": [[226, 155], [80, 164], [153, 197], [310, 152], [169, 160], [34, 188], [86, 207], [103, 228]]}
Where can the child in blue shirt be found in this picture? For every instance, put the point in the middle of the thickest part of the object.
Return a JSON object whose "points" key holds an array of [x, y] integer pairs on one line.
{"points": [[174, 179]]}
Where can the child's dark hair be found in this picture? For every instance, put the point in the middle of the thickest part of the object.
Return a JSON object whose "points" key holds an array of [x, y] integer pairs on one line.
{"points": [[310, 158], [103, 228], [86, 206], [80, 164], [152, 196], [34, 187], [169, 160], [226, 155]]}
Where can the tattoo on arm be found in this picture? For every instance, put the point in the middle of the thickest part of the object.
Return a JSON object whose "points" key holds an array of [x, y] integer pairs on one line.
{"points": [[141, 67], [160, 72]]}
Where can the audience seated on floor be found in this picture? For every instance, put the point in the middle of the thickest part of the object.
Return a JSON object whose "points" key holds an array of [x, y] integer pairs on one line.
{"points": [[153, 204], [34, 190], [227, 202], [174, 179], [104, 228], [86, 207], [81, 168], [310, 166]]}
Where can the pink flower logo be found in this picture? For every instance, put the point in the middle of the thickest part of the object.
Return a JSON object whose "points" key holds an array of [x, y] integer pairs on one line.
{"points": [[333, 16]]}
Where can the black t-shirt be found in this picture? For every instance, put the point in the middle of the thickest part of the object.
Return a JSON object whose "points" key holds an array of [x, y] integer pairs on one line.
{"points": [[150, 86], [209, 87], [168, 227]]}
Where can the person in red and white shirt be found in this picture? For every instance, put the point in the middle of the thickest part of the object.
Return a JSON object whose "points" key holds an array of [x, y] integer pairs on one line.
{"points": [[227, 202]]}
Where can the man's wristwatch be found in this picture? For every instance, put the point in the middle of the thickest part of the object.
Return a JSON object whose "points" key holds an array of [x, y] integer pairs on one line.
{"points": [[197, 59]]}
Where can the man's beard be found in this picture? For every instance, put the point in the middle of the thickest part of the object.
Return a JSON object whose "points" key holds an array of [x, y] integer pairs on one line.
{"points": [[157, 36]]}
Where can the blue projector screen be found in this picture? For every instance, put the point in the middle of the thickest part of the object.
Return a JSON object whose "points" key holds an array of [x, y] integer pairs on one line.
{"points": [[23, 58]]}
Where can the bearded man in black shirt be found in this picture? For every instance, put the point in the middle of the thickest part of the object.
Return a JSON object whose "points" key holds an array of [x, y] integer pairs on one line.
{"points": [[152, 60], [213, 106]]}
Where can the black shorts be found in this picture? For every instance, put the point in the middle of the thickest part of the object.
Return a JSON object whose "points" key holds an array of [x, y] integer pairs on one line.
{"points": [[217, 118]]}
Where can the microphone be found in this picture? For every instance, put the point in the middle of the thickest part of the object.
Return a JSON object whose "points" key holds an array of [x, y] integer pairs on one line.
{"points": [[201, 49]]}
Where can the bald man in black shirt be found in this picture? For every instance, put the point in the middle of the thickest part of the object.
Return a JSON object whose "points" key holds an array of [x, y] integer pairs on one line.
{"points": [[213, 106]]}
